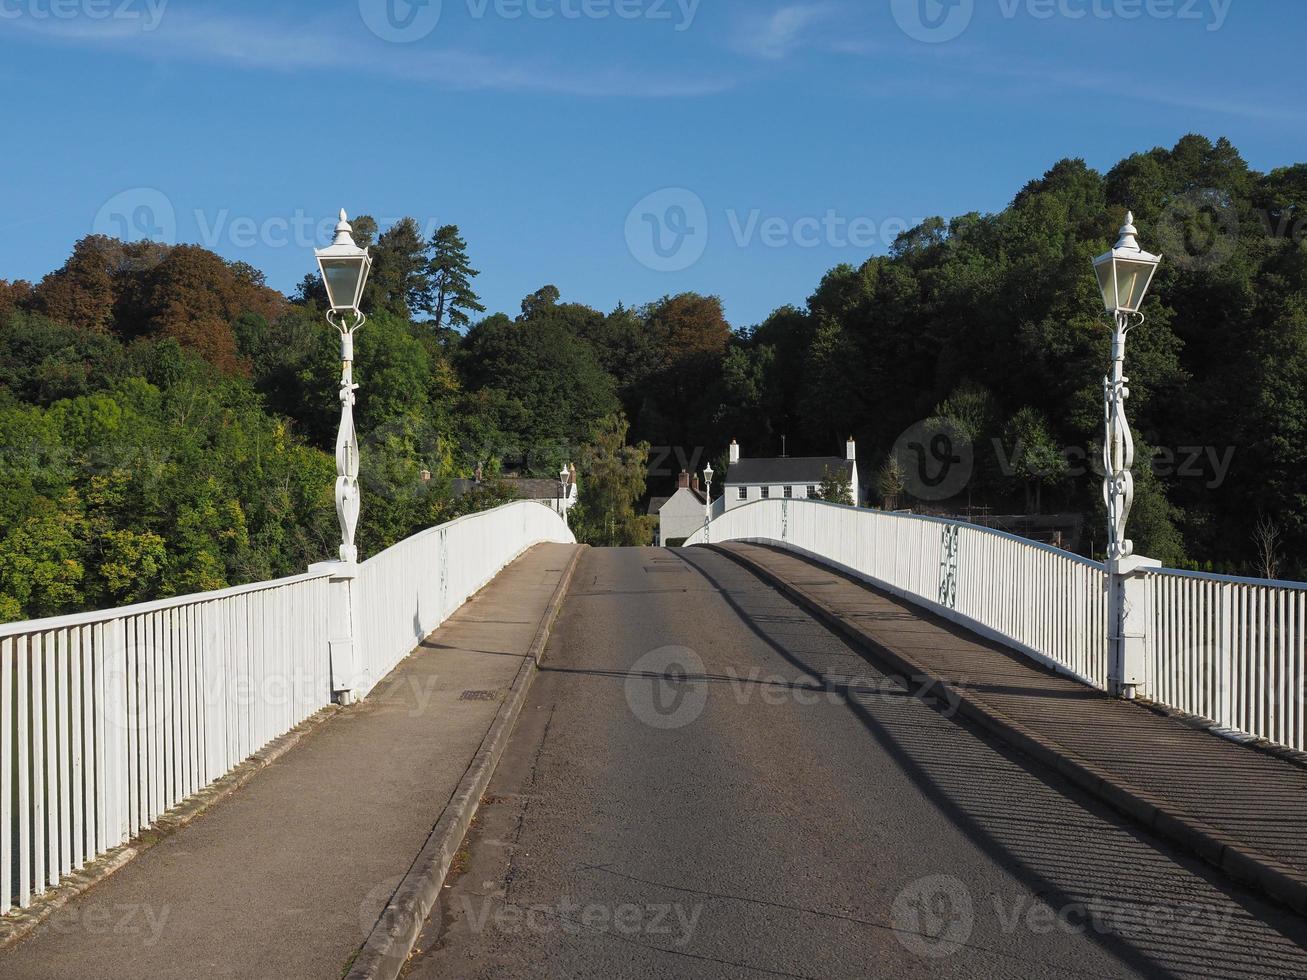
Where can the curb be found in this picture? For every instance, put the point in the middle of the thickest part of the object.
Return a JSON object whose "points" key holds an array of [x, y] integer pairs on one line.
{"points": [[396, 932], [19, 923], [1231, 857]]}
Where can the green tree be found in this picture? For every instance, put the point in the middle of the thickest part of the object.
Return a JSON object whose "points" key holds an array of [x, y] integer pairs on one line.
{"points": [[611, 476], [835, 487], [1034, 460], [400, 280], [449, 296]]}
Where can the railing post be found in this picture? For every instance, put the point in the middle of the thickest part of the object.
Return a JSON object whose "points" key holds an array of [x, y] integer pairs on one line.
{"points": [[342, 639], [115, 717], [1127, 625]]}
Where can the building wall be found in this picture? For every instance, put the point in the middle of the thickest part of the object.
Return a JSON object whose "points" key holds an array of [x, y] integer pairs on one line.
{"points": [[681, 516], [777, 491]]}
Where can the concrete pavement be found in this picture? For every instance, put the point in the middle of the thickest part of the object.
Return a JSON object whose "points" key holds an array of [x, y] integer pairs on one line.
{"points": [[286, 877], [707, 782]]}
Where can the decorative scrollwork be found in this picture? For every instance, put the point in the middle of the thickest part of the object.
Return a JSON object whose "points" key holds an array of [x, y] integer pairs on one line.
{"points": [[948, 566], [1118, 443], [348, 498]]}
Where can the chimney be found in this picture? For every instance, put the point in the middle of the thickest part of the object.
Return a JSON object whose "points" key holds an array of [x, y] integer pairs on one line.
{"points": [[735, 451], [694, 483], [851, 449], [683, 481]]}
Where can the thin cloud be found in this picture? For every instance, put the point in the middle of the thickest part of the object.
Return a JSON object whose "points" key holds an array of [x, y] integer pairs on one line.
{"points": [[259, 46], [777, 34], [1174, 96]]}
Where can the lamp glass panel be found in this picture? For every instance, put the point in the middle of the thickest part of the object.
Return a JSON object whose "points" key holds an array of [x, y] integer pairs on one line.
{"points": [[342, 278], [1105, 284], [1134, 279]]}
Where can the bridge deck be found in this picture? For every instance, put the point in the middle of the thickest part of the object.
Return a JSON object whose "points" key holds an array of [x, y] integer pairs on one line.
{"points": [[286, 877], [1246, 798], [685, 797]]}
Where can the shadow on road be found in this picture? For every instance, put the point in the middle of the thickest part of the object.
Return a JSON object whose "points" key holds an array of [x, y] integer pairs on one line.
{"points": [[1166, 914]]}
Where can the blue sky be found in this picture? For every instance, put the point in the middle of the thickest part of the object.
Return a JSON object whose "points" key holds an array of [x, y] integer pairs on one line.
{"points": [[620, 149]]}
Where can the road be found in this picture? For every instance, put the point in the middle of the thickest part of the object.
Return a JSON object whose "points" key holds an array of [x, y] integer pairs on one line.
{"points": [[707, 783]]}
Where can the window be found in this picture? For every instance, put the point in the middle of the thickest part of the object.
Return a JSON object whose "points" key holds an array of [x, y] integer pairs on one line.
{"points": [[766, 493], [743, 493], [812, 491], [789, 492]]}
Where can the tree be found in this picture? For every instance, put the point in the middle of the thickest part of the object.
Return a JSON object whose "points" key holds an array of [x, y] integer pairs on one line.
{"points": [[449, 297], [1266, 540], [835, 487], [554, 378], [400, 280], [12, 296], [611, 478], [688, 337], [1034, 460], [889, 482]]}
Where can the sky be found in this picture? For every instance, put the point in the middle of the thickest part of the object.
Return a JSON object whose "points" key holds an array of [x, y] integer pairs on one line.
{"points": [[621, 150]]}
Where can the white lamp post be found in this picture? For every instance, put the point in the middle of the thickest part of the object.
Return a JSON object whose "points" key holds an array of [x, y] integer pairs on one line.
{"points": [[707, 500], [345, 268], [563, 474], [1124, 275]]}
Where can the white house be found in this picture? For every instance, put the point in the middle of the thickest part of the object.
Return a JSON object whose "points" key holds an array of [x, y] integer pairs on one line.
{"points": [[681, 514], [789, 477]]}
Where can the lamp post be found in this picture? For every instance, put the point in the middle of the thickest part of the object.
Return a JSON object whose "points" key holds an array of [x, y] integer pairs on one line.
{"points": [[707, 500], [562, 492], [344, 267], [1124, 275]]}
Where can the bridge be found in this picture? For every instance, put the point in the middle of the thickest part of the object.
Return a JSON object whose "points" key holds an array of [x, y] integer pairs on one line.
{"points": [[819, 741]]}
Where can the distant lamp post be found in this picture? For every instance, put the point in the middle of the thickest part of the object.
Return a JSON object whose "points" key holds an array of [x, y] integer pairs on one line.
{"points": [[345, 269], [707, 500], [563, 475], [1124, 275]]}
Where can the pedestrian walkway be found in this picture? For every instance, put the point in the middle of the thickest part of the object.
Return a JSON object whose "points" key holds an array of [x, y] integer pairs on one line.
{"points": [[286, 877], [1238, 807]]}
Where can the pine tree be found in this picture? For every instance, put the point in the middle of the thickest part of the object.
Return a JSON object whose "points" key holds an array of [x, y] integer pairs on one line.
{"points": [[450, 297]]}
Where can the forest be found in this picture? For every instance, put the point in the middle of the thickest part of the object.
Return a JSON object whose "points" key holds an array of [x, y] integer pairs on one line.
{"points": [[167, 419]]}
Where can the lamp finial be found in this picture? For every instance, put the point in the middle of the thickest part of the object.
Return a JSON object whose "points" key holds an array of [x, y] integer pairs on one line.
{"points": [[1128, 233], [344, 231]]}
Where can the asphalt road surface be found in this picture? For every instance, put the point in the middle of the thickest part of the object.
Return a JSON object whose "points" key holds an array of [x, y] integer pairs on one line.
{"points": [[707, 783]]}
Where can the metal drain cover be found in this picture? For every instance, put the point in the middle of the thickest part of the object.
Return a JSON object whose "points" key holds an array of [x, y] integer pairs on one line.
{"points": [[479, 696]]}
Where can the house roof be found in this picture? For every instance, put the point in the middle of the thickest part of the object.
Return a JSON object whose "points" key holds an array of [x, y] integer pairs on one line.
{"points": [[661, 502], [525, 487], [791, 469]]}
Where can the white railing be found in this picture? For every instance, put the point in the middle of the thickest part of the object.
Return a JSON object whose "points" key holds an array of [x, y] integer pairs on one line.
{"points": [[1232, 650], [1046, 602], [108, 719]]}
